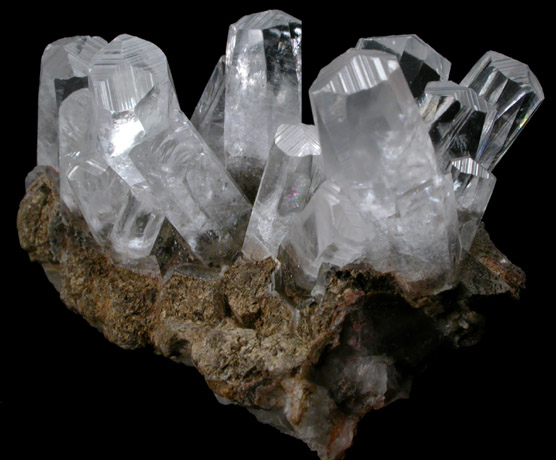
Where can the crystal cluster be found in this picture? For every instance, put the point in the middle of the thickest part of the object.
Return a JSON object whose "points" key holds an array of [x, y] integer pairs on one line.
{"points": [[395, 173]]}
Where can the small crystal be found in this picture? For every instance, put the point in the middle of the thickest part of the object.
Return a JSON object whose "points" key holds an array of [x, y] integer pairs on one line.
{"points": [[289, 179], [513, 91], [64, 67], [459, 120], [420, 63], [263, 90], [473, 186], [208, 117]]}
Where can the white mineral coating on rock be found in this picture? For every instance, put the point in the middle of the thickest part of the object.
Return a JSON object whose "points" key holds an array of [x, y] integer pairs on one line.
{"points": [[133, 97], [420, 63], [513, 91], [473, 186], [194, 191], [460, 121], [376, 147], [263, 90], [64, 68], [73, 135], [291, 175], [208, 117]]}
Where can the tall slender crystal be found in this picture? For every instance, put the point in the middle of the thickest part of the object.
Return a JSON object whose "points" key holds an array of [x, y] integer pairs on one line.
{"points": [[263, 90]]}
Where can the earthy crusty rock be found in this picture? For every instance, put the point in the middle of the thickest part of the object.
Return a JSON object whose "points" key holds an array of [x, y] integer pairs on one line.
{"points": [[311, 369]]}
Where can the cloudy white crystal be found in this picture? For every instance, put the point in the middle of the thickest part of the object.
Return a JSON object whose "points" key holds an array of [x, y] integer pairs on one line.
{"points": [[263, 90]]}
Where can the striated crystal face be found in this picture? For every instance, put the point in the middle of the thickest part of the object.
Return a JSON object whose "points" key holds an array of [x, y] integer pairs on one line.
{"points": [[208, 117], [514, 93], [419, 62], [263, 90], [460, 121], [194, 191], [291, 175], [64, 68]]}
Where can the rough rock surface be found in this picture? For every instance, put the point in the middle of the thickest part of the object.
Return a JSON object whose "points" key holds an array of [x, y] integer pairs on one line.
{"points": [[311, 370]]}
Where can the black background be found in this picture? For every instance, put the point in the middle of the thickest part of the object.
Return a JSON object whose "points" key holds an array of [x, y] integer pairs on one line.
{"points": [[62, 384]]}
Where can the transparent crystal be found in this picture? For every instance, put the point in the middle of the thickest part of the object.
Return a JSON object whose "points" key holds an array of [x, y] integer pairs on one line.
{"points": [[473, 186], [460, 121], [263, 90], [133, 97], [208, 117], [366, 115], [194, 191], [290, 177], [64, 67], [420, 63], [98, 191], [513, 91]]}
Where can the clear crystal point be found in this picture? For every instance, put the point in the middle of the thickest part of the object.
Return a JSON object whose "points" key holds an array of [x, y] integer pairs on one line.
{"points": [[263, 90], [208, 117], [419, 62], [514, 93], [291, 175], [64, 68], [366, 115], [460, 121]]}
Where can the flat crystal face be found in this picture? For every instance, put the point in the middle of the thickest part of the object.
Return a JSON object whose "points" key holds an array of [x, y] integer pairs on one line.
{"points": [[419, 62], [263, 90], [513, 91]]}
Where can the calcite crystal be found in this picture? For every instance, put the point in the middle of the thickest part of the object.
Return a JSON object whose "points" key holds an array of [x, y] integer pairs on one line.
{"points": [[363, 252]]}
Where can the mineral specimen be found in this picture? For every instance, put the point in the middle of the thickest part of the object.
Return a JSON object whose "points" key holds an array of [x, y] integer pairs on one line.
{"points": [[364, 250]]}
